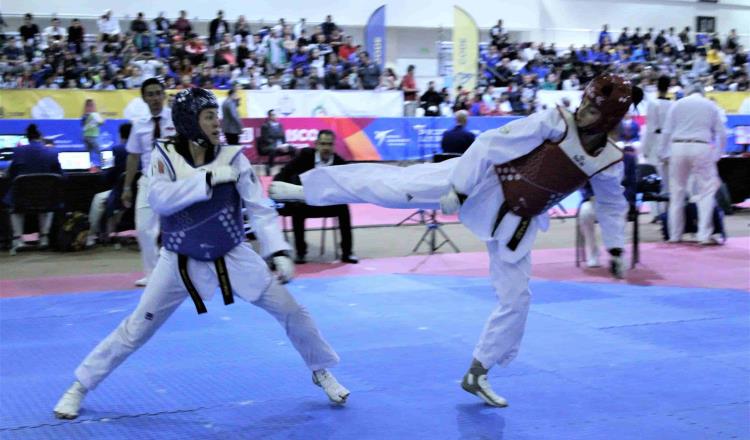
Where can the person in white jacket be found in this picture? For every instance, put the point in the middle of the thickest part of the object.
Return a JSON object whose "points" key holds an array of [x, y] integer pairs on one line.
{"points": [[694, 132], [199, 188], [655, 151], [501, 188]]}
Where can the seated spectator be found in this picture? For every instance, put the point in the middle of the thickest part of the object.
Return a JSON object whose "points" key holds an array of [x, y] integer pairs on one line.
{"points": [[55, 32], [33, 158], [182, 24], [28, 31], [430, 100], [308, 158], [369, 72], [161, 26], [76, 33], [347, 49], [300, 81], [217, 28], [272, 141], [106, 205], [109, 28], [458, 139]]}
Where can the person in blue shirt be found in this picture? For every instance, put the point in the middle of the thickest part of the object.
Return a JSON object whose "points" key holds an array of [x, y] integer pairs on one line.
{"points": [[34, 158], [458, 139]]}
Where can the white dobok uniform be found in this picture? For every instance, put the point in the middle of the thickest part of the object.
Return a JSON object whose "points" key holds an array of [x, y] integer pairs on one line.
{"points": [[655, 151], [174, 186], [475, 175]]}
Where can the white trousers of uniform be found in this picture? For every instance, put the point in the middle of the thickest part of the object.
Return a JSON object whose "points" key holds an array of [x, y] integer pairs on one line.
{"points": [[386, 185], [698, 161], [503, 331], [587, 225], [166, 291], [147, 228], [662, 168], [96, 211]]}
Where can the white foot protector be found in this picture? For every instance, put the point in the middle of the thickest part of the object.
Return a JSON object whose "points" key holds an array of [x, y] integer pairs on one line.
{"points": [[142, 282], [286, 192], [70, 402], [333, 389], [480, 387]]}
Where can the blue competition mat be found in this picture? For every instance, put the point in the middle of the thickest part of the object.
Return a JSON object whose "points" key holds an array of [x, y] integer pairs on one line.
{"points": [[598, 361]]}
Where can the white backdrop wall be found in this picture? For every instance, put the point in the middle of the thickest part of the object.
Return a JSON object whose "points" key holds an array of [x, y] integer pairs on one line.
{"points": [[414, 26], [525, 15]]}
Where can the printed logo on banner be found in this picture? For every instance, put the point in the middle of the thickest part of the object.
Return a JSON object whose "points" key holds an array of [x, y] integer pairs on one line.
{"points": [[285, 105], [428, 135], [380, 136], [391, 140], [301, 137]]}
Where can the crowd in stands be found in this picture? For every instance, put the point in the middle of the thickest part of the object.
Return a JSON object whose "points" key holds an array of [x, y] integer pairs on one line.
{"points": [[511, 73], [300, 56]]}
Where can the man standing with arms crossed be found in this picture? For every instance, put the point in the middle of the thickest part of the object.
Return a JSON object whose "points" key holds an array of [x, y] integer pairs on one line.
{"points": [[158, 124]]}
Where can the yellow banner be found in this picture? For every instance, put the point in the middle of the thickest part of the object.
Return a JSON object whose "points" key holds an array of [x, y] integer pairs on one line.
{"points": [[465, 49], [729, 101], [66, 104]]}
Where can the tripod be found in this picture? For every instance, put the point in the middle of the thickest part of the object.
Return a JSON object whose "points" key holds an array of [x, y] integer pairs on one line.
{"points": [[429, 237]]}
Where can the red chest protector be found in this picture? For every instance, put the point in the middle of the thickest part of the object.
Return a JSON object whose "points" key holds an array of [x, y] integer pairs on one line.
{"points": [[534, 183]]}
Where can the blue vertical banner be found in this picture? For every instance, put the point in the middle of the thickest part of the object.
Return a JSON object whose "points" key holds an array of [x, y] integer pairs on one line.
{"points": [[375, 36]]}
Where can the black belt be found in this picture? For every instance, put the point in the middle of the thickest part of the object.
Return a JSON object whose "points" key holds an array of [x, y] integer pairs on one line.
{"points": [[688, 141], [221, 274], [521, 229]]}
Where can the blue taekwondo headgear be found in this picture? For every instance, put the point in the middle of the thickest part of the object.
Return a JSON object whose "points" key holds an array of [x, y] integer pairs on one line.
{"points": [[186, 110]]}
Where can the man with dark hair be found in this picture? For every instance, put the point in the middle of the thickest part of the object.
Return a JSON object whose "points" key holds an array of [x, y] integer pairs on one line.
{"points": [[33, 158], [231, 124], [654, 150], [430, 100], [272, 141], [217, 28], [28, 30], [75, 35], [307, 159], [369, 72], [157, 124]]}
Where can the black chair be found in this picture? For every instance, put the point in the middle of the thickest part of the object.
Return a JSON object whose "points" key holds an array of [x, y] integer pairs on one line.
{"points": [[288, 209], [38, 193]]}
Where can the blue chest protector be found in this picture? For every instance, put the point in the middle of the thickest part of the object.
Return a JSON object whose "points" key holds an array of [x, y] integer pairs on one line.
{"points": [[206, 230]]}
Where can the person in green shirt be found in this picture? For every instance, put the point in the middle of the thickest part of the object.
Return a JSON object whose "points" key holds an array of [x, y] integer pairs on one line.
{"points": [[91, 121]]}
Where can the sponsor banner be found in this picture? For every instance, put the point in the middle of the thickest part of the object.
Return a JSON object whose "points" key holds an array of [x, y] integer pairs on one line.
{"points": [[67, 134], [356, 138], [68, 104], [465, 49], [324, 103], [375, 36], [729, 101]]}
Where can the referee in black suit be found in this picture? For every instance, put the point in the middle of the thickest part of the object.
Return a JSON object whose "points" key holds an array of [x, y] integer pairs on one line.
{"points": [[308, 158]]}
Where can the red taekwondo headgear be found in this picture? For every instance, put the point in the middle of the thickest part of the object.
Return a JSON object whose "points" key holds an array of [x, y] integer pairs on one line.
{"points": [[612, 95]]}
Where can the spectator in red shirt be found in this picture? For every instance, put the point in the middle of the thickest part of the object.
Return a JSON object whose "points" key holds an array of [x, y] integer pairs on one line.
{"points": [[409, 85]]}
